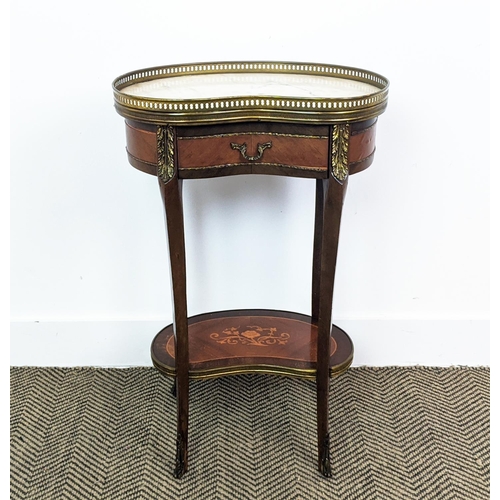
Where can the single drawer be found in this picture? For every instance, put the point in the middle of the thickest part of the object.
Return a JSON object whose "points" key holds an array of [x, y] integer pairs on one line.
{"points": [[253, 149]]}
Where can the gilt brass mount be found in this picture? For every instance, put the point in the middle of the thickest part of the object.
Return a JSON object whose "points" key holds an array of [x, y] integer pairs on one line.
{"points": [[165, 151], [340, 151], [242, 148]]}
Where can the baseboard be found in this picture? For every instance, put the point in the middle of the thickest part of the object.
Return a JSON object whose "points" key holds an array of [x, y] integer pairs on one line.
{"points": [[126, 343]]}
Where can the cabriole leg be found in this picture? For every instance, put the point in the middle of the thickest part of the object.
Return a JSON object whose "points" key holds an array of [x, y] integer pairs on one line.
{"points": [[171, 191]]}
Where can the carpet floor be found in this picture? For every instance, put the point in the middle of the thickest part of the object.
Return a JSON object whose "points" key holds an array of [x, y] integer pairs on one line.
{"points": [[396, 433]]}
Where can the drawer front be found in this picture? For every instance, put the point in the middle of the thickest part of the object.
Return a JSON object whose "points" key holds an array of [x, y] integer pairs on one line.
{"points": [[258, 152]]}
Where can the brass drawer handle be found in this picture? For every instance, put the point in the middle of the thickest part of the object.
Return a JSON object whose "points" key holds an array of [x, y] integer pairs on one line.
{"points": [[242, 148]]}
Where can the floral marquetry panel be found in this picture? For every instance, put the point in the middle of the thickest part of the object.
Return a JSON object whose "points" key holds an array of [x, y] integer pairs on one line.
{"points": [[233, 342]]}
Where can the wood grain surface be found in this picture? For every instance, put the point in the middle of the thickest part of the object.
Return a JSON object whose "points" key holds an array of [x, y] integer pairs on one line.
{"points": [[205, 151], [251, 340]]}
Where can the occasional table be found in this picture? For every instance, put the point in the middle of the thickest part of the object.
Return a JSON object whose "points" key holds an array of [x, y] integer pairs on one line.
{"points": [[202, 120]]}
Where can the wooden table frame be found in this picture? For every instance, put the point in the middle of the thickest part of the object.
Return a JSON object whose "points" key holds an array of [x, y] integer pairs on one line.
{"points": [[297, 119], [331, 185]]}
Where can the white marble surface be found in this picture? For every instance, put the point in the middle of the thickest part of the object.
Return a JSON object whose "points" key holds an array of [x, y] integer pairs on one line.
{"points": [[249, 84]]}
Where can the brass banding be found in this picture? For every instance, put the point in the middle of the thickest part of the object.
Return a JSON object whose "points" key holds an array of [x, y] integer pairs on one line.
{"points": [[273, 134], [308, 374], [363, 130], [362, 159], [141, 160], [248, 107], [317, 169]]}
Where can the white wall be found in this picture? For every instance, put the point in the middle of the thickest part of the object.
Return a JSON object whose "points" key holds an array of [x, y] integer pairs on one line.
{"points": [[87, 234]]}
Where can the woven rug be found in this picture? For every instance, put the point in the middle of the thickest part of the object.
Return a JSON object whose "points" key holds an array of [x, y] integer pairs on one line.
{"points": [[396, 433]]}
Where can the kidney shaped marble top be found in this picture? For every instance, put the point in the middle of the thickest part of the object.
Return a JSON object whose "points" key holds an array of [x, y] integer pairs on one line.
{"points": [[249, 84], [239, 91]]}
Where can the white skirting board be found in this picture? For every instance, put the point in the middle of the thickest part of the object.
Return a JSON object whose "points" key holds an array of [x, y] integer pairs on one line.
{"points": [[377, 342]]}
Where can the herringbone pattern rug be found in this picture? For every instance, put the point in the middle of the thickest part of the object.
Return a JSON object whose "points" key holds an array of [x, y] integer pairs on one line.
{"points": [[397, 433]]}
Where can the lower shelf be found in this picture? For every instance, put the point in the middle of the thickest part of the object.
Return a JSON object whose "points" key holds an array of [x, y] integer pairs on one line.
{"points": [[251, 341]]}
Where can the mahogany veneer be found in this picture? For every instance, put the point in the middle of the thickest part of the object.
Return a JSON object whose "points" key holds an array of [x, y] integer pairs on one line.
{"points": [[249, 341], [205, 151]]}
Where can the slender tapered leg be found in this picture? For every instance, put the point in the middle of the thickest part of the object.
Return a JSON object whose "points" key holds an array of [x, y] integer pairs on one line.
{"points": [[333, 193], [175, 232], [171, 191], [318, 235]]}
